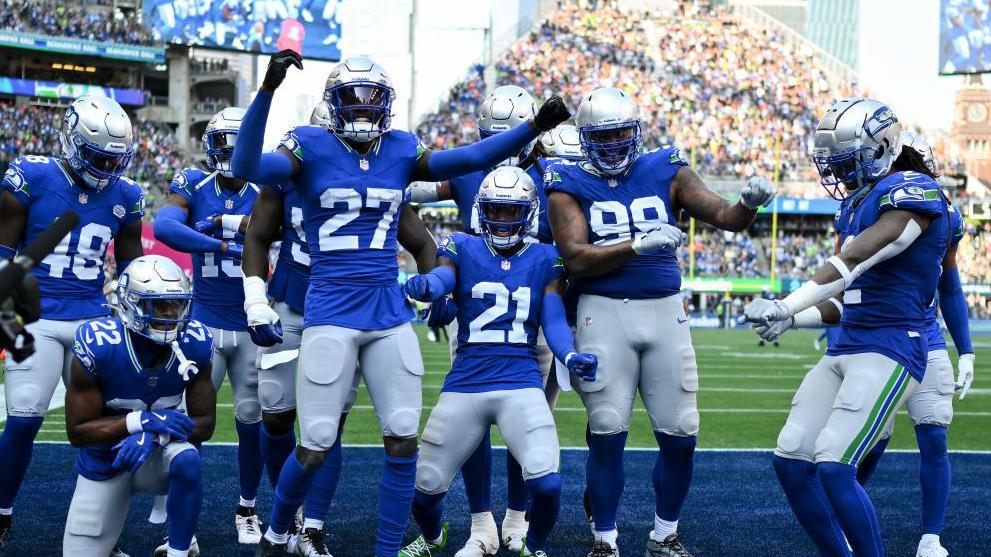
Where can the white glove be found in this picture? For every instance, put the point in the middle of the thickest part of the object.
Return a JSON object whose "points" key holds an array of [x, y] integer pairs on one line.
{"points": [[261, 314], [965, 374], [665, 237], [758, 192], [773, 331], [765, 312]]}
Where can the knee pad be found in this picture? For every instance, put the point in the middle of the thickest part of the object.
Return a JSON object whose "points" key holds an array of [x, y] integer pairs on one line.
{"points": [[793, 441], [402, 423], [941, 414], [545, 486], [272, 395], [186, 468], [607, 421], [688, 422], [539, 462], [248, 411], [429, 479], [320, 434]]}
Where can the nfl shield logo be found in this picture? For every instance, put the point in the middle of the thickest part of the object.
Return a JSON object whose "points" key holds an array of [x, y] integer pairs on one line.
{"points": [[83, 198], [153, 381], [229, 204], [363, 164], [612, 182], [506, 265]]}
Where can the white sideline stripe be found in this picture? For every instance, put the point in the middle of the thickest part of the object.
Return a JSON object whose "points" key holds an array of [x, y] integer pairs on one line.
{"points": [[58, 400], [580, 449]]}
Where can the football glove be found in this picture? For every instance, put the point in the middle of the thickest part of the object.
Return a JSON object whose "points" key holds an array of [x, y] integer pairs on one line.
{"points": [[233, 249], [440, 313], [758, 192], [582, 365], [765, 312], [773, 331], [133, 451], [965, 374], [264, 326], [207, 226], [418, 288], [172, 423], [665, 237], [278, 65], [551, 113]]}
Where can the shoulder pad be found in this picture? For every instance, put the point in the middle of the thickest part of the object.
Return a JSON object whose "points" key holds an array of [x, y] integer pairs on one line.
{"points": [[197, 342]]}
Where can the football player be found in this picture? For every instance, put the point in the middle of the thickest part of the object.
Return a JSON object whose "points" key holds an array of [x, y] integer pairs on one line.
{"points": [[614, 218], [129, 375], [505, 108], [894, 229], [280, 208], [205, 216], [931, 406], [505, 289], [87, 177], [351, 179]]}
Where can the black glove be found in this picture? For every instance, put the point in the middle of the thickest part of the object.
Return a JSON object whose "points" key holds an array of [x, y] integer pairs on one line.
{"points": [[277, 67], [551, 113]]}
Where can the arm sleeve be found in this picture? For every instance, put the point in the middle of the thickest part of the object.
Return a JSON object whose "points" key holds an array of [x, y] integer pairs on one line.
{"points": [[441, 281], [555, 326], [953, 304], [249, 163], [171, 229], [481, 155], [7, 253]]}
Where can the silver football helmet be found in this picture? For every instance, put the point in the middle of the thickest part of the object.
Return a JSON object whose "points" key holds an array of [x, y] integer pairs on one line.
{"points": [[562, 142], [219, 139], [609, 130], [919, 143], [507, 206], [320, 115], [359, 97], [503, 109], [153, 296], [97, 140], [856, 143]]}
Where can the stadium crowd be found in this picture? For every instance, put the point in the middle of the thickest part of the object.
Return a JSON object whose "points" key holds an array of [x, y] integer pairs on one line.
{"points": [[76, 20]]}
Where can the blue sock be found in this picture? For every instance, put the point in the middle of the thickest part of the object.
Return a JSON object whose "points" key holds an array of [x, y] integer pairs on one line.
{"points": [[16, 445], [517, 494], [428, 511], [868, 464], [477, 475], [324, 484], [853, 508], [672, 473], [808, 500], [276, 450], [545, 494], [249, 457], [185, 498], [934, 476], [395, 497], [605, 478], [294, 483]]}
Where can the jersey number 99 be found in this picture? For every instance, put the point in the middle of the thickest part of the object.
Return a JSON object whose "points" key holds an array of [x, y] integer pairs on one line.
{"points": [[644, 214]]}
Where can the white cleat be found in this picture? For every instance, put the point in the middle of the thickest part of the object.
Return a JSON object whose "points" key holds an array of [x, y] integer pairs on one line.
{"points": [[309, 542], [929, 546], [484, 538], [514, 527], [163, 550], [249, 529]]}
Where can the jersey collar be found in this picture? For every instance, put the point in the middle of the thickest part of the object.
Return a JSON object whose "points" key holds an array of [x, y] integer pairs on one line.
{"points": [[137, 362], [526, 246], [220, 190], [374, 151]]}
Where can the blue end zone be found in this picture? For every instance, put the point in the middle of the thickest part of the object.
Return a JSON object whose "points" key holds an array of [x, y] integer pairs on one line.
{"points": [[735, 506]]}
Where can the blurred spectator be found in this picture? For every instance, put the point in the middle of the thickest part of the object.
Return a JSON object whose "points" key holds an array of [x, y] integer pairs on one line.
{"points": [[75, 20]]}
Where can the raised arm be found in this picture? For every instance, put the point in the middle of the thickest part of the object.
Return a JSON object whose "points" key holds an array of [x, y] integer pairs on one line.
{"points": [[416, 239], [201, 405], [690, 193], [429, 192]]}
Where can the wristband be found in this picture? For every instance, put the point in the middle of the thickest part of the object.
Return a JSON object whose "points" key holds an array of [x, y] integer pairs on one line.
{"points": [[133, 421], [231, 223], [807, 318], [254, 292]]}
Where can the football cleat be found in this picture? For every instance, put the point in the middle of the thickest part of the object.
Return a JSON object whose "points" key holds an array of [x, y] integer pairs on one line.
{"points": [[670, 547], [423, 548], [484, 538], [309, 542], [931, 548], [163, 550], [514, 527], [249, 528], [4, 530], [269, 549], [118, 552], [603, 549]]}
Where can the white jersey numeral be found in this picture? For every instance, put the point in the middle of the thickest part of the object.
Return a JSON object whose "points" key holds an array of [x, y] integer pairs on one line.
{"points": [[386, 200], [298, 255], [105, 333], [620, 229], [88, 259], [501, 307], [229, 267]]}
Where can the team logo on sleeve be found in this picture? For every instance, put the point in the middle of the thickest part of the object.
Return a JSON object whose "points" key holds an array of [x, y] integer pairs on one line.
{"points": [[677, 157], [551, 176], [82, 355], [16, 180], [904, 194], [290, 142], [448, 244]]}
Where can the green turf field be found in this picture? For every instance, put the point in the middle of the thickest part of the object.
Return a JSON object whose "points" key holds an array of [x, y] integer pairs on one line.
{"points": [[744, 396]]}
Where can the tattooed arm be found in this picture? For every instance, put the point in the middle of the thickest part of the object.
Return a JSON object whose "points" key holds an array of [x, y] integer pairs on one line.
{"points": [[571, 236], [690, 193]]}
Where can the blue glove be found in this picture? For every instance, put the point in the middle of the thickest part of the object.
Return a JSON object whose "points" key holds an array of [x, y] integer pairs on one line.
{"points": [[173, 423], [582, 365], [134, 450], [207, 226], [441, 313], [266, 335], [234, 249], [418, 288]]}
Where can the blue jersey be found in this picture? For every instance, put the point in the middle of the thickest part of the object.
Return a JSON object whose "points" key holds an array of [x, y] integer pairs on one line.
{"points": [[618, 207], [292, 268], [119, 365], [71, 277], [351, 202], [934, 335], [885, 310], [218, 290], [499, 301], [464, 189]]}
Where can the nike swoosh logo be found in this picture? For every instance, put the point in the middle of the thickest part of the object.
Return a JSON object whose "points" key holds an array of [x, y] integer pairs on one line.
{"points": [[680, 320], [159, 416], [142, 441]]}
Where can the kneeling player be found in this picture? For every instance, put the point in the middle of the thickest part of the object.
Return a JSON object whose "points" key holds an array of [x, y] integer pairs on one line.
{"points": [[505, 289], [129, 375]]}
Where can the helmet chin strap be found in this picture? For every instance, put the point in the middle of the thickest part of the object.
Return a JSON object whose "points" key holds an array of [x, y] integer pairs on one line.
{"points": [[187, 368]]}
